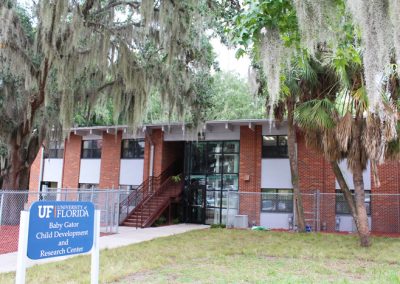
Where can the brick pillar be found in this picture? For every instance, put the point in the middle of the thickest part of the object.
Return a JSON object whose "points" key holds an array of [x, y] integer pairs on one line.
{"points": [[250, 173], [385, 208], [146, 158], [315, 173], [34, 177], [72, 161], [165, 153], [110, 161], [158, 139]]}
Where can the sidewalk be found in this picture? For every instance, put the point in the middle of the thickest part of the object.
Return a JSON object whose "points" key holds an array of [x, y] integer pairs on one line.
{"points": [[125, 236]]}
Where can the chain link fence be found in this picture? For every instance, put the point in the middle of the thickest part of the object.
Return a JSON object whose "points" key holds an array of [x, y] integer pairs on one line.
{"points": [[322, 211], [13, 202]]}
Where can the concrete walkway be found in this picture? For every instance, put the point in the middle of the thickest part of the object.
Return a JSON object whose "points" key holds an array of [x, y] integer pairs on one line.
{"points": [[125, 236]]}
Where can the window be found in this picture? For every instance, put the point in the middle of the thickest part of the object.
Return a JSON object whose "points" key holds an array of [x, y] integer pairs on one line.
{"points": [[48, 190], [343, 208], [274, 147], [212, 169], [87, 192], [277, 200], [55, 150], [91, 149], [128, 187], [132, 149]]}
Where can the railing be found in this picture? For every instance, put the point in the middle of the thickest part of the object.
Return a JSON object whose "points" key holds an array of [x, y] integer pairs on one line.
{"points": [[145, 191], [147, 215]]}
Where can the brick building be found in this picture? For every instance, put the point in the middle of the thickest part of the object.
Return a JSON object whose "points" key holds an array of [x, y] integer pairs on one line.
{"points": [[228, 165]]}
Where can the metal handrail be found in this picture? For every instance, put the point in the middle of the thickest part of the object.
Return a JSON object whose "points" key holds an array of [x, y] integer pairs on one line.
{"points": [[162, 205], [144, 192]]}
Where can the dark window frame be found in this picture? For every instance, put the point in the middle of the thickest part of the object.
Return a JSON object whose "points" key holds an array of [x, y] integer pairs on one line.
{"points": [[276, 200], [343, 209], [55, 150], [137, 152], [91, 152], [208, 151], [277, 151]]}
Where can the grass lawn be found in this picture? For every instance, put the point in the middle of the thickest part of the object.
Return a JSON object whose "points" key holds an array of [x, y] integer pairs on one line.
{"points": [[234, 256]]}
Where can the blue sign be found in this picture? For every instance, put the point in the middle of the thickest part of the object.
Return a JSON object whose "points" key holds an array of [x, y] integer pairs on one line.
{"points": [[58, 228]]}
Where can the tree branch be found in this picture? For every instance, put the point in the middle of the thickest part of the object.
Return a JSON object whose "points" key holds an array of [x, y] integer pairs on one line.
{"points": [[133, 4]]}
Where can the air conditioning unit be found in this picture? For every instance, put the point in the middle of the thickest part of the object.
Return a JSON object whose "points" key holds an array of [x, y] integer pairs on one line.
{"points": [[241, 222]]}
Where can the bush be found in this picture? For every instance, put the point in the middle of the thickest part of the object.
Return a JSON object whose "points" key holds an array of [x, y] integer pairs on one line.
{"points": [[160, 221], [218, 226]]}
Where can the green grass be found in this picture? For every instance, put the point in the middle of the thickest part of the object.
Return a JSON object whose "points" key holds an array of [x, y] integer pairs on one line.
{"points": [[234, 256]]}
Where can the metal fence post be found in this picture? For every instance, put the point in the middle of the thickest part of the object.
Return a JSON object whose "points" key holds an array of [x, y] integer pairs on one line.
{"points": [[117, 211], [1, 208], [227, 210], [318, 208], [107, 209]]}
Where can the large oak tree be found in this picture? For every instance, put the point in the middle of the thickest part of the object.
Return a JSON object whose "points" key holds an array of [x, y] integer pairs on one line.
{"points": [[63, 54]]}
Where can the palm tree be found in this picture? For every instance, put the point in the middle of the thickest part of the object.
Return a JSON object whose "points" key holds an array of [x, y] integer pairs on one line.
{"points": [[304, 80], [348, 134]]}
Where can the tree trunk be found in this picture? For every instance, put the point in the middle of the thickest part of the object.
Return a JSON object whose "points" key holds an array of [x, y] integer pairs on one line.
{"points": [[359, 196], [16, 178], [299, 211], [22, 153], [348, 196], [359, 193]]}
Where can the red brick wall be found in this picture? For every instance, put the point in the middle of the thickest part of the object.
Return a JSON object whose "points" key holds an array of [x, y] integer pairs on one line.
{"points": [[34, 177], [72, 161], [315, 173], [110, 161], [146, 160], [385, 209], [35, 173], [250, 172], [165, 153], [158, 136]]}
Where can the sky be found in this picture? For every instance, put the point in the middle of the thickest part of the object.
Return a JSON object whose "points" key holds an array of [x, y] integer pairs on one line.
{"points": [[227, 60]]}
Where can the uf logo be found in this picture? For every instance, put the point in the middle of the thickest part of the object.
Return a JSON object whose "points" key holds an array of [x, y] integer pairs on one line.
{"points": [[45, 211]]}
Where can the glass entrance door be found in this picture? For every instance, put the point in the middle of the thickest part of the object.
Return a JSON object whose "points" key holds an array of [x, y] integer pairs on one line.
{"points": [[197, 199]]}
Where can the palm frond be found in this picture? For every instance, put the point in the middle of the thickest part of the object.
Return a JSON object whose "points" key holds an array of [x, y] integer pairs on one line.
{"points": [[316, 115], [361, 98]]}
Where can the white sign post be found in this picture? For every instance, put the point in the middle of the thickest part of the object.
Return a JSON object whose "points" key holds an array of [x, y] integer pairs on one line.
{"points": [[94, 278], [22, 247], [57, 219]]}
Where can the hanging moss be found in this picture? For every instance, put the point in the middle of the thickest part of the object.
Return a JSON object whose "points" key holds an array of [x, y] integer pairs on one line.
{"points": [[373, 19], [273, 55], [316, 20]]}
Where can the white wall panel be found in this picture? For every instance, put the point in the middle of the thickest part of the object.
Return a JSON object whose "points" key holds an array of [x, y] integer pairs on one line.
{"points": [[131, 172], [90, 171], [279, 129], [275, 173], [275, 220], [346, 223], [217, 132], [348, 176], [52, 170]]}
